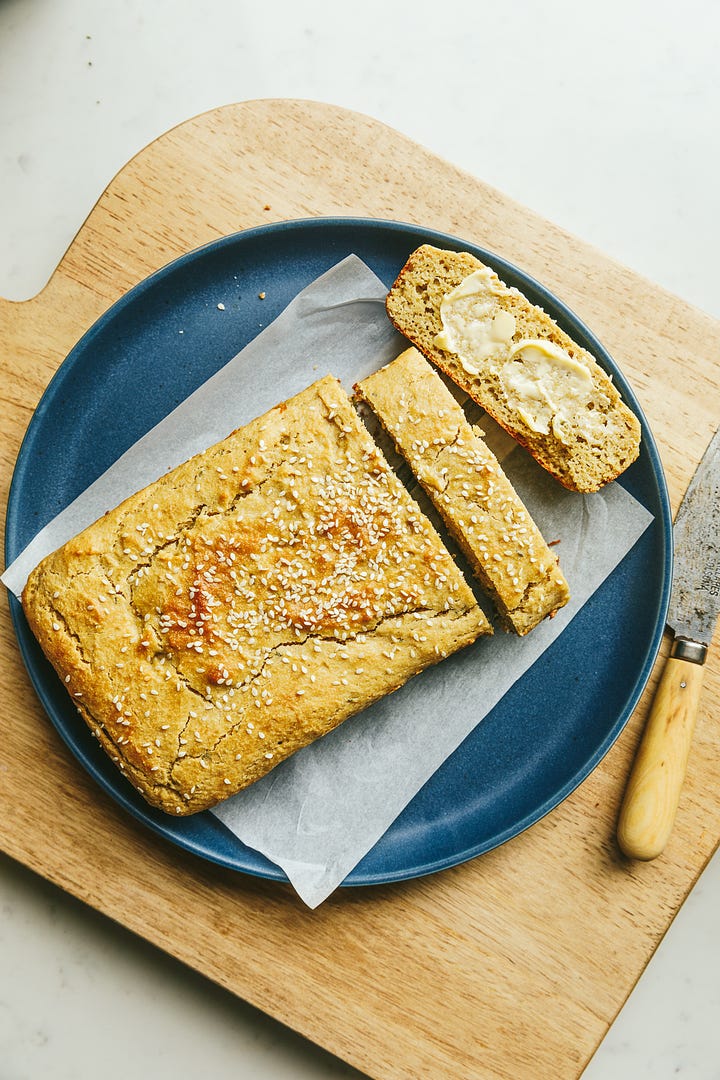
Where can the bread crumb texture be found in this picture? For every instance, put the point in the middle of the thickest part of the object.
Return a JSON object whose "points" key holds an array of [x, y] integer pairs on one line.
{"points": [[469, 490], [512, 359], [248, 602]]}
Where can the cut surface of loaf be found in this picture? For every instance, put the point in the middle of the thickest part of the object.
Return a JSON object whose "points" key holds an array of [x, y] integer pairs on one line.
{"points": [[248, 602], [468, 488], [515, 361]]}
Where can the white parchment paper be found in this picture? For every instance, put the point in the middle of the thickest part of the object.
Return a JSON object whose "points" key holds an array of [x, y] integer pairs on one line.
{"points": [[317, 814]]}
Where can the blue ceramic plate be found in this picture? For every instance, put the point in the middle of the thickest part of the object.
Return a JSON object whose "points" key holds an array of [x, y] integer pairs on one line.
{"points": [[498, 783]]}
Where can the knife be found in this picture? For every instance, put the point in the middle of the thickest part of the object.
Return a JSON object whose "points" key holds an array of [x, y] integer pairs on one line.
{"points": [[653, 790]]}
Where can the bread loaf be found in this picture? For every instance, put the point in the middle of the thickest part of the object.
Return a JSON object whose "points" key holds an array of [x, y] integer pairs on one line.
{"points": [[248, 602]]}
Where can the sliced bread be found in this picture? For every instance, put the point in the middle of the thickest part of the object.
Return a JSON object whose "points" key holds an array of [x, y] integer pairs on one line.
{"points": [[469, 490], [515, 361]]}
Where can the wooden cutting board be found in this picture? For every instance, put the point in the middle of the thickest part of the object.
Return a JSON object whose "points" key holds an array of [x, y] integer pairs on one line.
{"points": [[515, 964]]}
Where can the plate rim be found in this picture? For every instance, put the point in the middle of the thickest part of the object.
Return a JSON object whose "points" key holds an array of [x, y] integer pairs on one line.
{"points": [[357, 877]]}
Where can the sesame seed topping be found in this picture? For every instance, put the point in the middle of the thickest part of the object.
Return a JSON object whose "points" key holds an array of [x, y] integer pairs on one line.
{"points": [[325, 554]]}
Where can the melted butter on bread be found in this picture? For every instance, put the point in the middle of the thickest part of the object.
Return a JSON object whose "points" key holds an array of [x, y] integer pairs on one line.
{"points": [[549, 390], [474, 327]]}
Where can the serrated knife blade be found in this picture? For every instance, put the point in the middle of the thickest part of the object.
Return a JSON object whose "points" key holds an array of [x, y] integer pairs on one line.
{"points": [[695, 597], [653, 791]]}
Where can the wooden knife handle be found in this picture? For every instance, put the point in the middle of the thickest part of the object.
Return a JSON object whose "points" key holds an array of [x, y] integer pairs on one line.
{"points": [[653, 791]]}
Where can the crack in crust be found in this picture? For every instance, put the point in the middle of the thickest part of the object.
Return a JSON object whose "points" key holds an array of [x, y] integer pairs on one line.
{"points": [[201, 510], [115, 750]]}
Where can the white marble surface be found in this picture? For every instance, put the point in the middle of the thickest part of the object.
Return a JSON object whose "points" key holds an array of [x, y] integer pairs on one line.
{"points": [[603, 118]]}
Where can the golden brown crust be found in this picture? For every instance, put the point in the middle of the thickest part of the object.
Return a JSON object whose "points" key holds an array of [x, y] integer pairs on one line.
{"points": [[248, 602], [469, 490], [413, 306]]}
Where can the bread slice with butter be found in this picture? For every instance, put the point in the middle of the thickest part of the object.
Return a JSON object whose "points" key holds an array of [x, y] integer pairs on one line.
{"points": [[512, 359]]}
